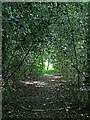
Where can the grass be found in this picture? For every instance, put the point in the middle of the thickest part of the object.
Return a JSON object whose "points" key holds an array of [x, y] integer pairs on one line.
{"points": [[51, 71]]}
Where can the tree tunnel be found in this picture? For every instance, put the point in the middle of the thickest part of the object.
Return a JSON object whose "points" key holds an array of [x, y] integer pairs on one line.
{"points": [[45, 60]]}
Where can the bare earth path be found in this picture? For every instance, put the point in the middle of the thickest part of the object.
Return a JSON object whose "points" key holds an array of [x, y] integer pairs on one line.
{"points": [[48, 98]]}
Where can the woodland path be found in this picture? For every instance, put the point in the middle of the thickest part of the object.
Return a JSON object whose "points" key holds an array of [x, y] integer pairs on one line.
{"points": [[49, 97]]}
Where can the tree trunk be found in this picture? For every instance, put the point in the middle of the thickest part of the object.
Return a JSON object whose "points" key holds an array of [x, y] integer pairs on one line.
{"points": [[48, 65]]}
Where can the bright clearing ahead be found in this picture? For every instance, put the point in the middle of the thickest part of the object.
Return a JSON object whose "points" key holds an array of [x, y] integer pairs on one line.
{"points": [[48, 65]]}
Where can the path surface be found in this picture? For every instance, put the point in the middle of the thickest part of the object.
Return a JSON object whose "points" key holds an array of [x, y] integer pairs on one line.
{"points": [[47, 98]]}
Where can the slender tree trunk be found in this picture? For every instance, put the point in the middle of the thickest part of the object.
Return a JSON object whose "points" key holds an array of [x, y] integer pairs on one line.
{"points": [[18, 67], [43, 57], [48, 65], [32, 64]]}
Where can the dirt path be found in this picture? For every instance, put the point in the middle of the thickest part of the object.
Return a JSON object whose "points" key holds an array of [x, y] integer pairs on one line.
{"points": [[47, 98]]}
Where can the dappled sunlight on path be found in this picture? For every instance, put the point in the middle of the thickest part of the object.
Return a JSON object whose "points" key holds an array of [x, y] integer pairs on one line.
{"points": [[36, 83], [47, 94], [47, 97], [46, 80], [52, 75]]}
